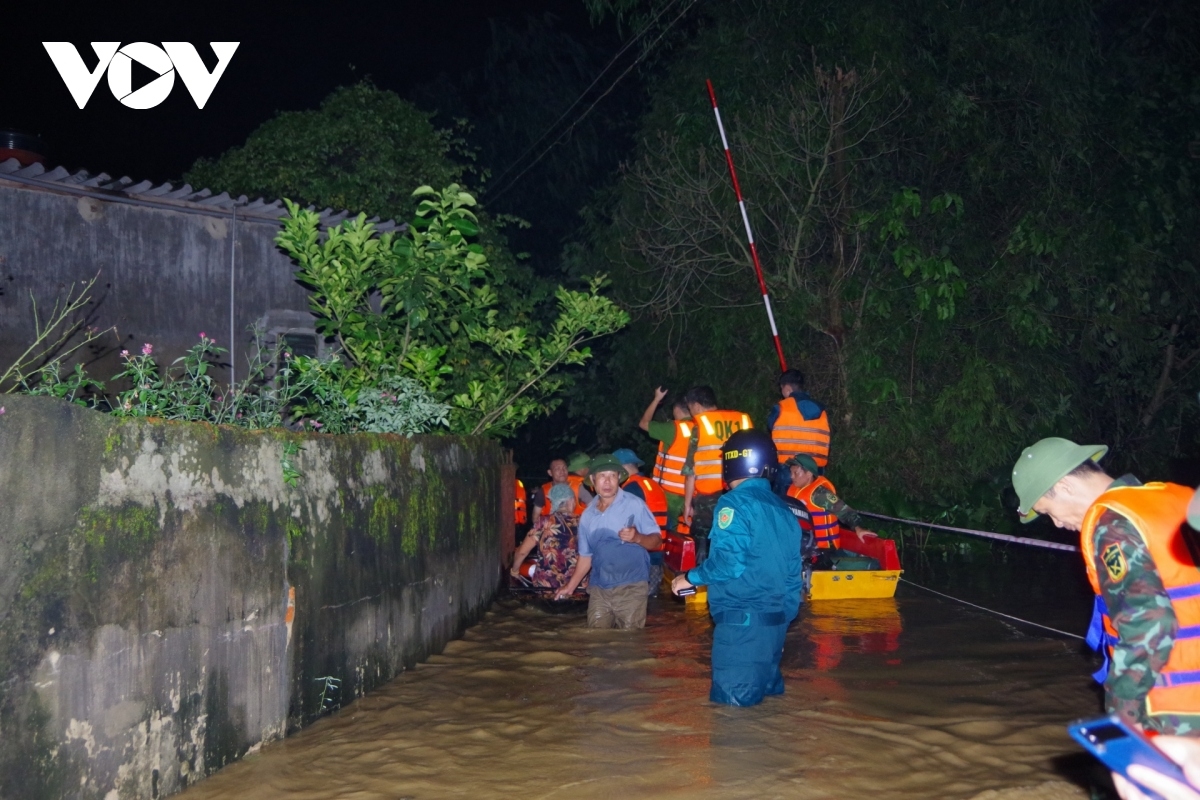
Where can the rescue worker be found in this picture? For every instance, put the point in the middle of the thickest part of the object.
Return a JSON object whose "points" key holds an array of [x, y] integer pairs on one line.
{"points": [[798, 424], [521, 511], [577, 465], [616, 534], [1138, 555], [655, 498], [672, 438], [702, 465], [558, 475], [818, 495], [753, 574]]}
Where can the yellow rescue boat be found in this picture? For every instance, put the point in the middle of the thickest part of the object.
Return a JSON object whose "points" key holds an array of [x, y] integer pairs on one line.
{"points": [[848, 584]]}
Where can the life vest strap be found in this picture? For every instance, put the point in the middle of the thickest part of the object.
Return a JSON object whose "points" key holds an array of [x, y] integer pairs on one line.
{"points": [[1100, 639], [1168, 679], [1184, 592], [1188, 632]]}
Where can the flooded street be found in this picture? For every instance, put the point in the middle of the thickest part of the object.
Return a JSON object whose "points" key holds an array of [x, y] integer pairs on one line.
{"points": [[908, 698]]}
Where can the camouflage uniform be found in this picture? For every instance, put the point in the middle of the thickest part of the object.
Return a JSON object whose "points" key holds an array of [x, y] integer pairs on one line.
{"points": [[1142, 614], [829, 502]]}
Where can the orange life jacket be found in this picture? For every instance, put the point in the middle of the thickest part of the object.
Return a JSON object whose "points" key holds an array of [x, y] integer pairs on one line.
{"points": [[826, 528], [521, 513], [714, 427], [656, 499], [668, 467], [793, 434], [1158, 511], [574, 481]]}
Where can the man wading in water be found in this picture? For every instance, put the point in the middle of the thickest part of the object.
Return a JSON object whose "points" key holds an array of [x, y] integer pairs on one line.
{"points": [[752, 573], [616, 534]]}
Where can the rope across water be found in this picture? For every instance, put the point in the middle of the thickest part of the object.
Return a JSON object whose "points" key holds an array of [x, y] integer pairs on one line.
{"points": [[1004, 537]]}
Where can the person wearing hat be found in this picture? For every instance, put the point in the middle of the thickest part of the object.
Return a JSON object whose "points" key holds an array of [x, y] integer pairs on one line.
{"points": [[616, 534], [1138, 555], [577, 465], [753, 574], [561, 475], [552, 541], [639, 485], [825, 508]]}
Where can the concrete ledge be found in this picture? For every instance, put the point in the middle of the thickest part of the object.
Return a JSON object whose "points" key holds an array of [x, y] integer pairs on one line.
{"points": [[168, 603]]}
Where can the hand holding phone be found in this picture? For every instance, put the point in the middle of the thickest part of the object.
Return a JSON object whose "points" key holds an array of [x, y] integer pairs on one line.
{"points": [[1120, 747]]}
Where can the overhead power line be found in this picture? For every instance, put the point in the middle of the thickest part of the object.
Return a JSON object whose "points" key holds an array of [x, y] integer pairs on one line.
{"points": [[649, 48]]}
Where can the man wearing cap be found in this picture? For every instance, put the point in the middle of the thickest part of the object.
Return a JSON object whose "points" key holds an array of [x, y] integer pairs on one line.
{"points": [[1138, 553], [639, 485], [616, 534], [825, 508], [577, 465]]}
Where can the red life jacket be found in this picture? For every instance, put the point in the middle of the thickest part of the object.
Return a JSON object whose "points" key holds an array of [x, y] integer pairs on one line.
{"points": [[656, 499], [574, 481], [1158, 512], [826, 528], [521, 513]]}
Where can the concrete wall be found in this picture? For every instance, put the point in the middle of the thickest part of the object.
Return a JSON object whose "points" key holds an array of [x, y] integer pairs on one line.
{"points": [[168, 603], [164, 275]]}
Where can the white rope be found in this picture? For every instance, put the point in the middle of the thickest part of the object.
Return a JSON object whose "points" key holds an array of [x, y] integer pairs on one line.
{"points": [[992, 611], [1004, 537]]}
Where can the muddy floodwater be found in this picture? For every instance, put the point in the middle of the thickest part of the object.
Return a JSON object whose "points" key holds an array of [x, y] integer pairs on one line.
{"points": [[908, 698]]}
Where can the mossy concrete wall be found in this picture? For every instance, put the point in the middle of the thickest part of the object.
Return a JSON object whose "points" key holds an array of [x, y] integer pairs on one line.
{"points": [[168, 603]]}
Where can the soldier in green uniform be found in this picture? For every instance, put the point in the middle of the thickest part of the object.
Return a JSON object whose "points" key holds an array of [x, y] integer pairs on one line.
{"points": [[1061, 479], [828, 511]]}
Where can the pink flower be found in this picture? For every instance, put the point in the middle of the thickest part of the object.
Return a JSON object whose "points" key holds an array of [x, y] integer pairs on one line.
{"points": [[147, 349], [124, 354], [315, 424], [202, 336], [1, 409]]}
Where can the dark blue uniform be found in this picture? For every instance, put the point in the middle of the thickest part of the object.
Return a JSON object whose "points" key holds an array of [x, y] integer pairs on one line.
{"points": [[754, 591]]}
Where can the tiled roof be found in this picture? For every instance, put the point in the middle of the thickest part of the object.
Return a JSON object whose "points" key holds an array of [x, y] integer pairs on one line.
{"points": [[145, 193]]}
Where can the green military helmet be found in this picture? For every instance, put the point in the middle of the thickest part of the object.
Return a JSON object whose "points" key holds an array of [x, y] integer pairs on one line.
{"points": [[606, 463], [577, 461], [1044, 464]]}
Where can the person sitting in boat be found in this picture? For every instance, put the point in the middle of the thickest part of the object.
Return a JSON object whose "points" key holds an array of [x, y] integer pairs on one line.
{"points": [[829, 514], [560, 475], [552, 543]]}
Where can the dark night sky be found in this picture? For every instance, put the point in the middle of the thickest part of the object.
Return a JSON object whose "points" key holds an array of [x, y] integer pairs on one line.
{"points": [[291, 55]]}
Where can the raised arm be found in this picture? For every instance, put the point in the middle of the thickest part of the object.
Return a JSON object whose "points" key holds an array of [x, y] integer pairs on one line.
{"points": [[648, 414]]}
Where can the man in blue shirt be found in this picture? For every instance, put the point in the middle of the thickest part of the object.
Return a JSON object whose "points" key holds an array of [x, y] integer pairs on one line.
{"points": [[753, 574], [616, 534]]}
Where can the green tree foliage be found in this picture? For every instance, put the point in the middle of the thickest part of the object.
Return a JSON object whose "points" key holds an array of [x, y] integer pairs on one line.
{"points": [[424, 303], [363, 150], [978, 223]]}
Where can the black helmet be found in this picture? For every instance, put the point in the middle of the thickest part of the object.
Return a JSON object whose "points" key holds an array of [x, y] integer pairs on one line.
{"points": [[748, 454]]}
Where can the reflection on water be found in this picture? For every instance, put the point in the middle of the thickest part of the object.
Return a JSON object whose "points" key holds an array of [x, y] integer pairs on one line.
{"points": [[911, 698]]}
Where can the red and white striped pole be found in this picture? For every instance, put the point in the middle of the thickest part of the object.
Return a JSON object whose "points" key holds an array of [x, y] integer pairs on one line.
{"points": [[737, 189]]}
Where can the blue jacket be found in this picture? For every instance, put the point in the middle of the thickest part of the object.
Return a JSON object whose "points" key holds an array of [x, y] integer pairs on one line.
{"points": [[754, 553]]}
